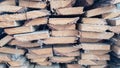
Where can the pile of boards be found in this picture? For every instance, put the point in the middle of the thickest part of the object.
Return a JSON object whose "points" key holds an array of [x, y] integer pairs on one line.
{"points": [[58, 33]]}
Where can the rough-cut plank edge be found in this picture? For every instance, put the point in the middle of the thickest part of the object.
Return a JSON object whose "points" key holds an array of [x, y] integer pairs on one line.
{"points": [[19, 30], [5, 40], [62, 27], [28, 36], [97, 52], [24, 16], [64, 33], [95, 21], [8, 24], [87, 40], [37, 21], [63, 21], [62, 59], [101, 10], [42, 59], [60, 40], [70, 11], [11, 51], [5, 57], [115, 29]]}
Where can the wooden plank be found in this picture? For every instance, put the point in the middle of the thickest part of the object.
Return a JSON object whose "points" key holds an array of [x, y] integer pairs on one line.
{"points": [[11, 51], [24, 16], [95, 57], [42, 52], [114, 21], [74, 66], [8, 2], [45, 66], [62, 33], [60, 40], [92, 62], [95, 46], [115, 29], [42, 59], [116, 49], [62, 59], [5, 58], [99, 11], [18, 30], [5, 40], [97, 52], [87, 40], [32, 36], [96, 35], [37, 21], [31, 4], [94, 21], [8, 24], [70, 11], [93, 28], [99, 66], [63, 27], [44, 63], [63, 21]]}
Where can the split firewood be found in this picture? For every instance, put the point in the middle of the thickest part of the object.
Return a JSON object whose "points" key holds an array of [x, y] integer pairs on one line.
{"points": [[70, 11], [99, 11], [47, 63], [115, 29], [35, 56], [63, 21], [5, 40], [116, 41], [74, 66], [62, 33], [42, 59], [116, 49], [32, 36], [60, 40], [8, 2], [18, 30], [97, 52], [114, 21], [5, 58], [98, 66], [87, 40]]}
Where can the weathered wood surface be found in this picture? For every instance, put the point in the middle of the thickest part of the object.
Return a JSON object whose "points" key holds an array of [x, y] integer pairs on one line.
{"points": [[114, 21], [115, 29], [74, 66]]}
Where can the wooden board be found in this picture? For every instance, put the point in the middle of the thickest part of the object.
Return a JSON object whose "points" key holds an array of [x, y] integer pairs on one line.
{"points": [[5, 40], [63, 21], [115, 29], [98, 66], [114, 22], [18, 30], [116, 49], [74, 66], [42, 59], [32, 36], [64, 33], [60, 40], [97, 52], [70, 11], [8, 2], [99, 11], [5, 58], [87, 40], [93, 28]]}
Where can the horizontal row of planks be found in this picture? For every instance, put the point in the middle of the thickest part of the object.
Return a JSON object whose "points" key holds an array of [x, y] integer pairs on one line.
{"points": [[59, 34]]}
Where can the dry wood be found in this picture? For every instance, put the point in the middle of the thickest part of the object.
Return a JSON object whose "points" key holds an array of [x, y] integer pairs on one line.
{"points": [[97, 52], [63, 21], [44, 63], [99, 66], [87, 40], [5, 57], [15, 63], [11, 51], [32, 4], [42, 59], [93, 28], [8, 2], [32, 36], [114, 21], [37, 21], [116, 41], [90, 2], [62, 59], [99, 11], [96, 35], [63, 27], [116, 49], [8, 24], [70, 11], [62, 33], [17, 30], [115, 29], [95, 21], [5, 40], [92, 62], [74, 66], [60, 40]]}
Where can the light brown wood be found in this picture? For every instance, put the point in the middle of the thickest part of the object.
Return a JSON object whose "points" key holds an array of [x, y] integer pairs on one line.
{"points": [[74, 66], [18, 30], [11, 51], [60, 40], [93, 28], [8, 24], [116, 49], [62, 59], [5, 40], [8, 2], [31, 4], [96, 35], [63, 27], [44, 63], [37, 21], [99, 66], [114, 21], [63, 21], [97, 52], [5, 57], [64, 33], [42, 59], [90, 2], [115, 29], [32, 36], [99, 11], [94, 21], [70, 11], [87, 40]]}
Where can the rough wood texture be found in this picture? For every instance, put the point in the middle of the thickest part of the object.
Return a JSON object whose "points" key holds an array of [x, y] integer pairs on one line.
{"points": [[74, 66], [5, 58], [18, 30], [63, 21], [5, 40], [70, 11], [99, 66], [116, 49], [87, 40], [8, 2], [63, 33], [114, 21], [60, 40], [97, 52], [99, 11], [32, 36], [115, 29]]}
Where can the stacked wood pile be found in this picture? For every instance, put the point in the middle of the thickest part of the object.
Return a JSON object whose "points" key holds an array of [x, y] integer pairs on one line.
{"points": [[58, 33]]}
